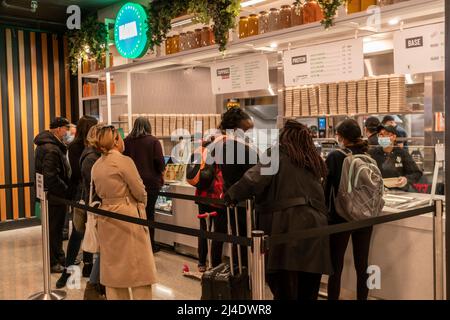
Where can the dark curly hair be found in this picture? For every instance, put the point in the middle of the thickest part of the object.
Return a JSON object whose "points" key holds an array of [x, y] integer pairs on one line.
{"points": [[296, 141], [232, 118]]}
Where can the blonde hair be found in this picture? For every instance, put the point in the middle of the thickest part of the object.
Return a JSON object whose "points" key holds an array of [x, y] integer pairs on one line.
{"points": [[106, 138], [91, 137]]}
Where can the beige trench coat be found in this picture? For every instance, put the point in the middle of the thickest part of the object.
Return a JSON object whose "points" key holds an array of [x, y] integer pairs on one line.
{"points": [[125, 250]]}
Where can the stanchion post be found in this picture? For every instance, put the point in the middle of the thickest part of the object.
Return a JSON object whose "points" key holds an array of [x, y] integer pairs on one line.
{"points": [[249, 208], [48, 293], [438, 251], [258, 267]]}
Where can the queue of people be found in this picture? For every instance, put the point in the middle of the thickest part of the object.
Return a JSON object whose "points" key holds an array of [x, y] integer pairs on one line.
{"points": [[126, 176]]}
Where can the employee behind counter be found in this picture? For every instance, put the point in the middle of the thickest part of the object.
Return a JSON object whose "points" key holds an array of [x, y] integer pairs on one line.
{"points": [[395, 161]]}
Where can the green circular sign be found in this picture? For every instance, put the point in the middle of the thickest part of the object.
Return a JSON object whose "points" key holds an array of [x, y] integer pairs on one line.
{"points": [[130, 31]]}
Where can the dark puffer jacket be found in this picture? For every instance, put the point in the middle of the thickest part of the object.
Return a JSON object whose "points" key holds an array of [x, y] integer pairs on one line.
{"points": [[290, 183], [51, 162], [88, 158]]}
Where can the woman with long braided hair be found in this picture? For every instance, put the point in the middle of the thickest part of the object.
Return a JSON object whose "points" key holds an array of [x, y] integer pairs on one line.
{"points": [[289, 201]]}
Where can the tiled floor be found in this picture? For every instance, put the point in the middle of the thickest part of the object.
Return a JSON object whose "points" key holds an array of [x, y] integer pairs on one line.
{"points": [[21, 270]]}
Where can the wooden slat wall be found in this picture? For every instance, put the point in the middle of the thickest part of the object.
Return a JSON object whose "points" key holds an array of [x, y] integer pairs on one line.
{"points": [[34, 88]]}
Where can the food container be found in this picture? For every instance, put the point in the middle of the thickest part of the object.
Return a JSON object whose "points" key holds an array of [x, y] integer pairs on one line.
{"points": [[183, 41], [253, 25], [296, 15], [263, 24], [206, 37], [353, 6], [285, 17], [243, 27], [312, 12], [168, 45], [198, 38], [176, 43], [191, 43], [274, 19], [367, 3]]}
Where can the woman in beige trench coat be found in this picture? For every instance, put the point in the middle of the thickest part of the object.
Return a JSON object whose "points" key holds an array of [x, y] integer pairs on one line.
{"points": [[127, 267]]}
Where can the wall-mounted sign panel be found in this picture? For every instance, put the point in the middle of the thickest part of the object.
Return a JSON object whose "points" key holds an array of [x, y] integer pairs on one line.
{"points": [[337, 61], [130, 31], [420, 50], [247, 74]]}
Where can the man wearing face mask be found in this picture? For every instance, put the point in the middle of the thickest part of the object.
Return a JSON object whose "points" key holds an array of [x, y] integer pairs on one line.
{"points": [[394, 161], [51, 162]]}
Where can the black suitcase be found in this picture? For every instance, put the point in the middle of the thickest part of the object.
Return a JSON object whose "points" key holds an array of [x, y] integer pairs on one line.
{"points": [[220, 283]]}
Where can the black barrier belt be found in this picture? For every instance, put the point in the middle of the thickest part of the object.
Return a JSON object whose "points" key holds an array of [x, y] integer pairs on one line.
{"points": [[243, 241], [17, 185], [349, 226]]}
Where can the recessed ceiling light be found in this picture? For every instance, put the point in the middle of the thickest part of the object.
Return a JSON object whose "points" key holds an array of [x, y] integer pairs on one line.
{"points": [[274, 45], [394, 21]]}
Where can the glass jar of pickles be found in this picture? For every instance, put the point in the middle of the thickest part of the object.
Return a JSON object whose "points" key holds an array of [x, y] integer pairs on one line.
{"points": [[274, 19], [312, 12], [191, 44], [253, 25], [263, 24], [285, 17], [206, 37], [353, 6], [198, 38], [168, 45], [243, 27], [296, 15], [367, 3], [183, 41], [176, 43]]}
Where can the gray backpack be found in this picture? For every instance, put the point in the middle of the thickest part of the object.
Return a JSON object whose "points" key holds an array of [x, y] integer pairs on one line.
{"points": [[360, 194]]}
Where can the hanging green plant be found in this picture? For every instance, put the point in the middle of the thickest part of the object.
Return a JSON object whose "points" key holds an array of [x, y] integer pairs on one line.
{"points": [[222, 13], [329, 8], [89, 41]]}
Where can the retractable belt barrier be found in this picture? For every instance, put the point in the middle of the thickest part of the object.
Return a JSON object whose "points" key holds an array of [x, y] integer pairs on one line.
{"points": [[157, 225]]}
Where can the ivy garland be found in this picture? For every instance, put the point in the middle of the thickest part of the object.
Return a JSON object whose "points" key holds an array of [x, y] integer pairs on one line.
{"points": [[222, 13], [89, 41], [329, 8]]}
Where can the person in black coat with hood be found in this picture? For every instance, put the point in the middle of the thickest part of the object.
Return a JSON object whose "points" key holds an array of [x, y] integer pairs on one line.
{"points": [[289, 201], [51, 162], [75, 186]]}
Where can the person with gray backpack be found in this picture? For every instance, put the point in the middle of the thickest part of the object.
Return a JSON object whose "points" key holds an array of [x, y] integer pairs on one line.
{"points": [[354, 191]]}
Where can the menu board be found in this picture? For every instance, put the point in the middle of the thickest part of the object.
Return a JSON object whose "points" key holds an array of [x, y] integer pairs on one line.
{"points": [[333, 62], [240, 75], [420, 50]]}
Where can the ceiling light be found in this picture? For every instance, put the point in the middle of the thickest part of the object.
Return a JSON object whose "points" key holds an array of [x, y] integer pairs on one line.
{"points": [[250, 3], [274, 45], [394, 21]]}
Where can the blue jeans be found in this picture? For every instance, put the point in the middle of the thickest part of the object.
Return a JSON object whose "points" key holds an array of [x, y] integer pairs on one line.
{"points": [[95, 273]]}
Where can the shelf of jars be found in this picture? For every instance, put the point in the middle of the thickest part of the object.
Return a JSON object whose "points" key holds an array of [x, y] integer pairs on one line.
{"points": [[411, 13]]}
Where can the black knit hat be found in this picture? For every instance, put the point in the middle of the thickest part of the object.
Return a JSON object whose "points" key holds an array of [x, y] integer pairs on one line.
{"points": [[59, 122], [349, 129], [372, 123]]}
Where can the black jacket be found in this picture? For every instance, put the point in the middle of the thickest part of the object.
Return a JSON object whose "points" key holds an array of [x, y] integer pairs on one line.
{"points": [[397, 163], [307, 255], [75, 150], [334, 162], [87, 160], [244, 158], [147, 154], [51, 162]]}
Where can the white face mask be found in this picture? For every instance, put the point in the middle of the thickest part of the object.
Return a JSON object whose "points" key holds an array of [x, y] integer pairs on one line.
{"points": [[384, 142], [68, 138]]}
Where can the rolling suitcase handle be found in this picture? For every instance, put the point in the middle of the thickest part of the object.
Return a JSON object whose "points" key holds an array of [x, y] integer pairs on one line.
{"points": [[230, 245], [209, 227], [237, 234]]}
